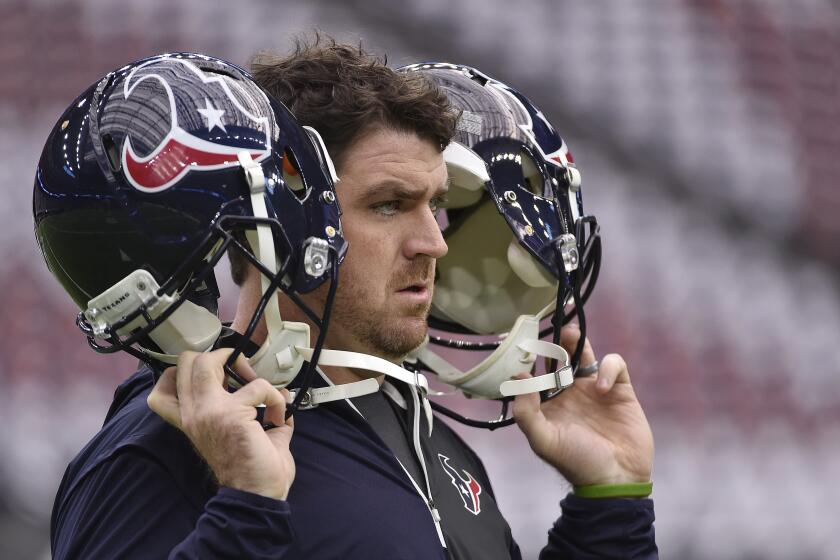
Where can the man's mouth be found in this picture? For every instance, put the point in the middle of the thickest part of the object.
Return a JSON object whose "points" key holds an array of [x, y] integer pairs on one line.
{"points": [[415, 288], [417, 292]]}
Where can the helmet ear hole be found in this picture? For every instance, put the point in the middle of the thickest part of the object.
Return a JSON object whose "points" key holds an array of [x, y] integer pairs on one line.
{"points": [[531, 174], [112, 153], [292, 176]]}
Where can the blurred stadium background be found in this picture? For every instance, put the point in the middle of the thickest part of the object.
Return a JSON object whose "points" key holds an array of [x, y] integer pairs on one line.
{"points": [[708, 135]]}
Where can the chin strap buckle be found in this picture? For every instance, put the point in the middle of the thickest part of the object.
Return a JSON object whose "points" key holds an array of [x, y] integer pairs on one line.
{"points": [[305, 401], [564, 377], [319, 395]]}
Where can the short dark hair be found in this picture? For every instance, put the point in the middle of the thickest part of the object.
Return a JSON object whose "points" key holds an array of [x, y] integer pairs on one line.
{"points": [[344, 93]]}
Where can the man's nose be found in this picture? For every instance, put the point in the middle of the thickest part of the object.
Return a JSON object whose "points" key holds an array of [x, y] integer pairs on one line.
{"points": [[426, 237]]}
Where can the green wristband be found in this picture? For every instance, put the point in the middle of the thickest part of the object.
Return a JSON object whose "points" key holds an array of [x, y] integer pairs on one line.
{"points": [[632, 490]]}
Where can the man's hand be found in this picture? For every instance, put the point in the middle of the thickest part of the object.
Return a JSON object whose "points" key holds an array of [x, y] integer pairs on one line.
{"points": [[595, 432], [222, 426]]}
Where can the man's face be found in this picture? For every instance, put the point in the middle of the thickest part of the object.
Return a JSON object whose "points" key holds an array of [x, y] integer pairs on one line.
{"points": [[390, 184]]}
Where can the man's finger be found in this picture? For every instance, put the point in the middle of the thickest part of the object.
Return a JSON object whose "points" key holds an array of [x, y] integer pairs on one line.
{"points": [[257, 392], [569, 336], [208, 373], [613, 370], [163, 399], [183, 377], [275, 408], [243, 368], [526, 408]]}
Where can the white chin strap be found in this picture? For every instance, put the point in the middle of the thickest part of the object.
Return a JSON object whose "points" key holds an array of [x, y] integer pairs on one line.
{"points": [[193, 328], [492, 378]]}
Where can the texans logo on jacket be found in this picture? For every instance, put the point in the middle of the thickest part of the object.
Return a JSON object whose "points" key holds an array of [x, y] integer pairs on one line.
{"points": [[201, 125], [468, 488]]}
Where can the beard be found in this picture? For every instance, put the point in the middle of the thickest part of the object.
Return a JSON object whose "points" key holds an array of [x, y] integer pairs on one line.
{"points": [[384, 330]]}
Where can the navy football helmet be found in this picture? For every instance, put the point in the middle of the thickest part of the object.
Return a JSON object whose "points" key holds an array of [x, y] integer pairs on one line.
{"points": [[523, 256], [151, 175]]}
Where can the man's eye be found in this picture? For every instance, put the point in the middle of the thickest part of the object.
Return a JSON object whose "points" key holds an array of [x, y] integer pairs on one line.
{"points": [[386, 208], [436, 203]]}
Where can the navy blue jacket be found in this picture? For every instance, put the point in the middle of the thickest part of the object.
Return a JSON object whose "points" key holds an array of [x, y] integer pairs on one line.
{"points": [[139, 490]]}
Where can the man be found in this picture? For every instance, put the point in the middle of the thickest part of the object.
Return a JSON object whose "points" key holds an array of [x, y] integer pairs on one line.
{"points": [[367, 478]]}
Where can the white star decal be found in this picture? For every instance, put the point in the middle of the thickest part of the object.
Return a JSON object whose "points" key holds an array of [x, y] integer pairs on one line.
{"points": [[213, 116]]}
